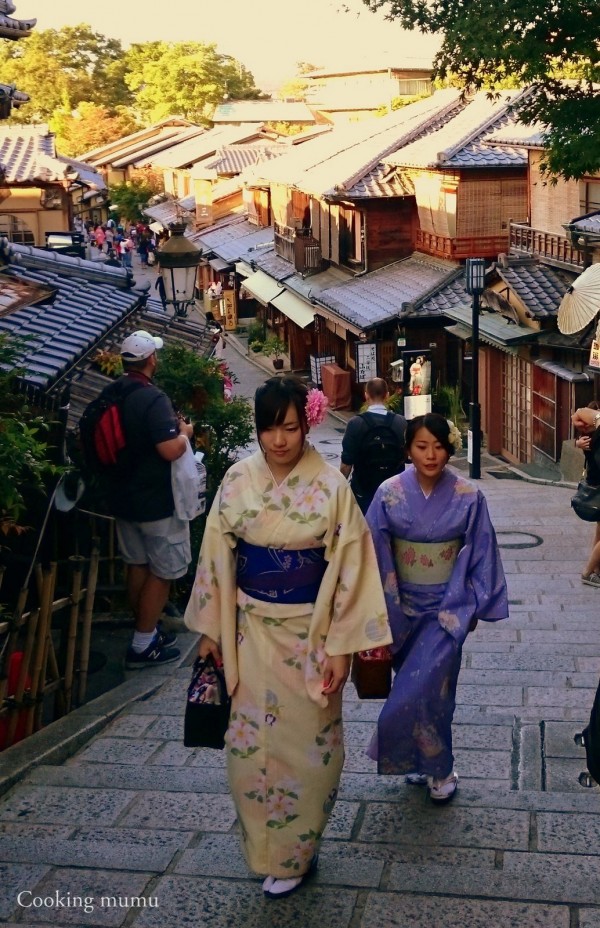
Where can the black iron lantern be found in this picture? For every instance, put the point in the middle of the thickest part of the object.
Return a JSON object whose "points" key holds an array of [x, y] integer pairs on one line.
{"points": [[178, 260]]}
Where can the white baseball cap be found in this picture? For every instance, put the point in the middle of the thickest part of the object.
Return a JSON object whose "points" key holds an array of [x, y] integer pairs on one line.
{"points": [[140, 345]]}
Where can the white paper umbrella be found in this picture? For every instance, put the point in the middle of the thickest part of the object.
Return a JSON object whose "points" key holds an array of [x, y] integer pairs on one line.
{"points": [[581, 302]]}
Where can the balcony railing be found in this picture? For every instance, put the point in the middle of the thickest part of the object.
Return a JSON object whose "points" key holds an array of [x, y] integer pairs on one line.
{"points": [[557, 249], [284, 242], [299, 248]]}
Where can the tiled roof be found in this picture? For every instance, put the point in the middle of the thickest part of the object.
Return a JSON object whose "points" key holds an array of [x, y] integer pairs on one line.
{"points": [[384, 294], [271, 263], [196, 149], [462, 141], [519, 134], [262, 111], [233, 159], [103, 153], [27, 155], [382, 181], [539, 287], [374, 63], [169, 211], [60, 331], [144, 154], [335, 163], [11, 28], [83, 173], [90, 307], [588, 223], [231, 241]]}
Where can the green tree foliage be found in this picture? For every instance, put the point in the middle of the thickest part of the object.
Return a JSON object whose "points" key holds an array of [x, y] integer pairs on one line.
{"points": [[195, 386], [296, 88], [130, 198], [60, 68], [24, 456], [90, 126], [533, 42], [184, 79]]}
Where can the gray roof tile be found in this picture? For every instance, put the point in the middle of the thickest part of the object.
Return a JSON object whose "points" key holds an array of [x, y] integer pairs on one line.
{"points": [[62, 329], [588, 223], [462, 141], [232, 241], [397, 290], [539, 287]]}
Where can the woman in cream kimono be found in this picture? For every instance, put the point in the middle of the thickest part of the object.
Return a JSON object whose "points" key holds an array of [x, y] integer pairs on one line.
{"points": [[287, 588]]}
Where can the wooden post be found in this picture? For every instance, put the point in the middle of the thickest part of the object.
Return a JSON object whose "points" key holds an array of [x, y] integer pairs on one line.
{"points": [[88, 610], [77, 568], [32, 623], [38, 672]]}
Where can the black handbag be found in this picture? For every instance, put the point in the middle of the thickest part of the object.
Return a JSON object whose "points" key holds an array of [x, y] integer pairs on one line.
{"points": [[207, 708], [586, 502]]}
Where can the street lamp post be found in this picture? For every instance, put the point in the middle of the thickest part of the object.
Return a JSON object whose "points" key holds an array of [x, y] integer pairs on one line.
{"points": [[475, 285], [178, 260]]}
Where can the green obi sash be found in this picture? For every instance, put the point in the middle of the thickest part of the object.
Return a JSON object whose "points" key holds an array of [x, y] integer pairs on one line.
{"points": [[425, 563]]}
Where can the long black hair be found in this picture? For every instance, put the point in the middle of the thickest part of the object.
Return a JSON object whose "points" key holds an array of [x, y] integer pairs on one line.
{"points": [[273, 399], [434, 423]]}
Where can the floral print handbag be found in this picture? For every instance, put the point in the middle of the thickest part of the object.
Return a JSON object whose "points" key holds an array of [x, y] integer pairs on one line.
{"points": [[372, 673], [207, 708]]}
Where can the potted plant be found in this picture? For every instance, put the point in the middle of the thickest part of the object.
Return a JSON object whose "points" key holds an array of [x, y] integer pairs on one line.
{"points": [[256, 336], [274, 348]]}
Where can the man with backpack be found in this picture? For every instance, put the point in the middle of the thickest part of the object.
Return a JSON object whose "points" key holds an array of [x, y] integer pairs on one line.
{"points": [[373, 445], [133, 435]]}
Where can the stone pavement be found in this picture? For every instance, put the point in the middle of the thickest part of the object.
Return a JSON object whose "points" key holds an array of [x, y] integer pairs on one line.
{"points": [[107, 809]]}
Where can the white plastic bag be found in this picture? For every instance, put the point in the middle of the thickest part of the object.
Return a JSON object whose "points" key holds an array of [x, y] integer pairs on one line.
{"points": [[185, 483]]}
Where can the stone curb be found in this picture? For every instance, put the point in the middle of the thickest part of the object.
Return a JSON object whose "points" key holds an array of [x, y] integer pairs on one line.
{"points": [[63, 738]]}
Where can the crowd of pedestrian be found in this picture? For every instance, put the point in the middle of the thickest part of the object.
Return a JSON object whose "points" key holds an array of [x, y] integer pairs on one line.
{"points": [[118, 240]]}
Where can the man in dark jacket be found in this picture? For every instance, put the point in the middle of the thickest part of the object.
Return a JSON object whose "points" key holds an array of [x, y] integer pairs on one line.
{"points": [[373, 445], [154, 542]]}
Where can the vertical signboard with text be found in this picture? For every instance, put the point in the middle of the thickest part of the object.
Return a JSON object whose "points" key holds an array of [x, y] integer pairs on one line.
{"points": [[366, 362]]}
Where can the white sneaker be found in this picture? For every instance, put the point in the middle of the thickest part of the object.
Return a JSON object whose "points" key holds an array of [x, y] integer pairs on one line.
{"points": [[443, 790]]}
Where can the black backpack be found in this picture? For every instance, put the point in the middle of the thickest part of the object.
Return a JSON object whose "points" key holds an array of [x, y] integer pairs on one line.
{"points": [[102, 437], [380, 454]]}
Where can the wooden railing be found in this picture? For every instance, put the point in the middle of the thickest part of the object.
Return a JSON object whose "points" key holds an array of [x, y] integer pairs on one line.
{"points": [[441, 246], [284, 242], [307, 256], [299, 248], [552, 247]]}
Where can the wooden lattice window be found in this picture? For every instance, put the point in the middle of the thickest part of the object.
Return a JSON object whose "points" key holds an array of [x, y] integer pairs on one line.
{"points": [[17, 231], [516, 414]]}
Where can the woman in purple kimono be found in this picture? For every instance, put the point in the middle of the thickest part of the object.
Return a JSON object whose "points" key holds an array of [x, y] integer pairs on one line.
{"points": [[441, 572]]}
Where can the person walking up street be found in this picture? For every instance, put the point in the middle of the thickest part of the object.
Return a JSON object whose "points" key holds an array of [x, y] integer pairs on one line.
{"points": [[286, 590], [587, 421], [154, 542], [373, 445], [441, 569]]}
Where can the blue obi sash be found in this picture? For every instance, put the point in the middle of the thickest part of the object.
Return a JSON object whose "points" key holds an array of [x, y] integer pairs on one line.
{"points": [[280, 575]]}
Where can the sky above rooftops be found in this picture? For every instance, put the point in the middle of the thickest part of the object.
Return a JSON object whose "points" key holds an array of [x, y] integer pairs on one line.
{"points": [[267, 36]]}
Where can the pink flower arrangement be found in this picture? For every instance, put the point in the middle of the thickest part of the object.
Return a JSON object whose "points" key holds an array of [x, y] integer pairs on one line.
{"points": [[316, 407]]}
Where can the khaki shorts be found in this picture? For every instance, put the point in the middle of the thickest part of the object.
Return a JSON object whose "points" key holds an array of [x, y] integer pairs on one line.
{"points": [[164, 546]]}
